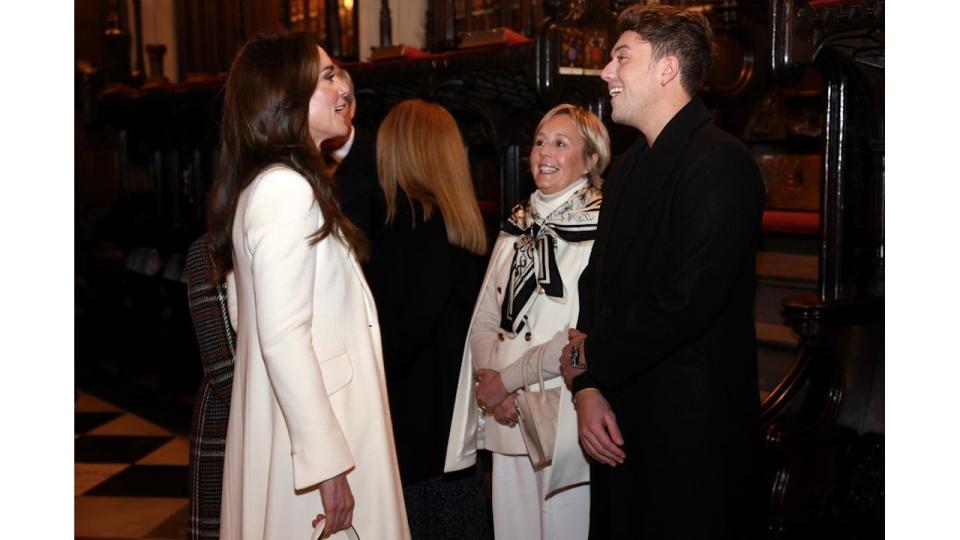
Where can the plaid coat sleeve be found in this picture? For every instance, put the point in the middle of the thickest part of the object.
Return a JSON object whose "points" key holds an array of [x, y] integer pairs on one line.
{"points": [[215, 337], [211, 322]]}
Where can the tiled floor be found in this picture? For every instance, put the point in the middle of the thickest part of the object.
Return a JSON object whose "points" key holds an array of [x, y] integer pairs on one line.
{"points": [[130, 475]]}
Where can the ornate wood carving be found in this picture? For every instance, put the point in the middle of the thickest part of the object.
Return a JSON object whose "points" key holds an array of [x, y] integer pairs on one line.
{"points": [[821, 421], [852, 258], [817, 413]]}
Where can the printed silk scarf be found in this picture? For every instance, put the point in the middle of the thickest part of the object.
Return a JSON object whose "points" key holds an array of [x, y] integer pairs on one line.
{"points": [[534, 260]]}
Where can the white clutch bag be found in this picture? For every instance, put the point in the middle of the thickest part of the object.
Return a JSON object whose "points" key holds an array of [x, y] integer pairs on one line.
{"points": [[349, 533]]}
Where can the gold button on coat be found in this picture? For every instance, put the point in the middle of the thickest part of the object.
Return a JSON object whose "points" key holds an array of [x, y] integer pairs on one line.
{"points": [[500, 335], [527, 336]]}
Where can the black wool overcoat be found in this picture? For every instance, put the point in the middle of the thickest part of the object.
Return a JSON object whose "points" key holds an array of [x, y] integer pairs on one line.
{"points": [[667, 303], [359, 192]]}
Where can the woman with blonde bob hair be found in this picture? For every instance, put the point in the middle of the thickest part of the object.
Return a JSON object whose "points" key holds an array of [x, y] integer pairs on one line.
{"points": [[596, 140], [528, 302], [425, 270]]}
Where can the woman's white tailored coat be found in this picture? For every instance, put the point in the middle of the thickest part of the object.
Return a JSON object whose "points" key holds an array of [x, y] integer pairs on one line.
{"points": [[309, 400]]}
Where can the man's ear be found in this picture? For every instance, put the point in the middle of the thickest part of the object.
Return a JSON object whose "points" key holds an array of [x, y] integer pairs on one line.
{"points": [[669, 69]]}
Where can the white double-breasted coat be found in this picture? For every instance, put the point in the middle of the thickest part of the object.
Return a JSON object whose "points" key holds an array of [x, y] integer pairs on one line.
{"points": [[490, 347]]}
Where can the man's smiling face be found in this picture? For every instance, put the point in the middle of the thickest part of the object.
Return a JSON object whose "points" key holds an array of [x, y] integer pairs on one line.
{"points": [[631, 79]]}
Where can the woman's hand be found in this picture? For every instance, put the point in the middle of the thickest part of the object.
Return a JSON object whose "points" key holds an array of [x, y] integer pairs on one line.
{"points": [[490, 389], [506, 412], [337, 503]]}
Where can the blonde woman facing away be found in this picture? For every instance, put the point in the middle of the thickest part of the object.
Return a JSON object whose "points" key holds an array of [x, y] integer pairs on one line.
{"points": [[425, 271]]}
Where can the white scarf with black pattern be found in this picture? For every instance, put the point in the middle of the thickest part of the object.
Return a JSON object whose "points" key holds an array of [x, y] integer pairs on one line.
{"points": [[534, 260]]}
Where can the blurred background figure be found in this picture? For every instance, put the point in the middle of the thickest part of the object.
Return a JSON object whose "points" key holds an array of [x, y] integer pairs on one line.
{"points": [[355, 169], [425, 271], [528, 301]]}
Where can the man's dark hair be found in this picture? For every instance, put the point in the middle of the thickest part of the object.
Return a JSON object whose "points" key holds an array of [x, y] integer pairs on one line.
{"points": [[675, 31]]}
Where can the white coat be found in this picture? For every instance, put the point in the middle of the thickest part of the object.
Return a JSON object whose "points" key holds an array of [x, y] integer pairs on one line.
{"points": [[309, 400], [497, 349]]}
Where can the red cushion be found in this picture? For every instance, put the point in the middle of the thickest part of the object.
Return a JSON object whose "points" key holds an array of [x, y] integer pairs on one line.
{"points": [[778, 221]]}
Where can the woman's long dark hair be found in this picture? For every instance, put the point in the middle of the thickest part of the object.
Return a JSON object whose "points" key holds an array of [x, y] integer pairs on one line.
{"points": [[265, 108]]}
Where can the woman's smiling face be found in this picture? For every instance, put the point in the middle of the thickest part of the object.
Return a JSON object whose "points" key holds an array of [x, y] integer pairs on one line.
{"points": [[324, 117], [556, 159]]}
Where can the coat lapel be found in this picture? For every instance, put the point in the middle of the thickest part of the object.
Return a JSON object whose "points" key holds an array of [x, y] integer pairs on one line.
{"points": [[621, 174], [637, 187]]}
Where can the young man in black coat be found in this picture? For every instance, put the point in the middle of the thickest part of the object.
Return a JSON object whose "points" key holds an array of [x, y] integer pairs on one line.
{"points": [[667, 405]]}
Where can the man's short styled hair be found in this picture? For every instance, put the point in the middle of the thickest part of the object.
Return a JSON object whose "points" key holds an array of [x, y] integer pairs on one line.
{"points": [[676, 31]]}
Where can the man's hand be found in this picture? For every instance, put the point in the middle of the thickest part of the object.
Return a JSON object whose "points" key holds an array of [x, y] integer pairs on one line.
{"points": [[574, 334], [506, 412], [337, 503], [490, 388], [599, 434], [569, 372]]}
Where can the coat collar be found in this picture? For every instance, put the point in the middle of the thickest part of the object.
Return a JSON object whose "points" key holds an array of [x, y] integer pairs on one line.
{"points": [[342, 152], [645, 171], [683, 125]]}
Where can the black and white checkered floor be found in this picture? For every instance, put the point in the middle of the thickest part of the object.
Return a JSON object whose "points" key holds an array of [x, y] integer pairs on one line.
{"points": [[130, 477]]}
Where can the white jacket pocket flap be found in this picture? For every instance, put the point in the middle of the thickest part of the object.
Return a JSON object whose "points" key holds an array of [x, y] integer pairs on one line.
{"points": [[337, 372]]}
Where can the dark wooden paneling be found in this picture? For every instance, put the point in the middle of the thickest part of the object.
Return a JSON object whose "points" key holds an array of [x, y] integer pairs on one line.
{"points": [[262, 15], [88, 26], [209, 33]]}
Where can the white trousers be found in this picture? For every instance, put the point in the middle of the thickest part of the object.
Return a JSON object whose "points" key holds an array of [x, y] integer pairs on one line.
{"points": [[519, 511]]}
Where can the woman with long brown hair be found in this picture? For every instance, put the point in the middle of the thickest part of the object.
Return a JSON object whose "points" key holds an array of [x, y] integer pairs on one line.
{"points": [[425, 271], [309, 440]]}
